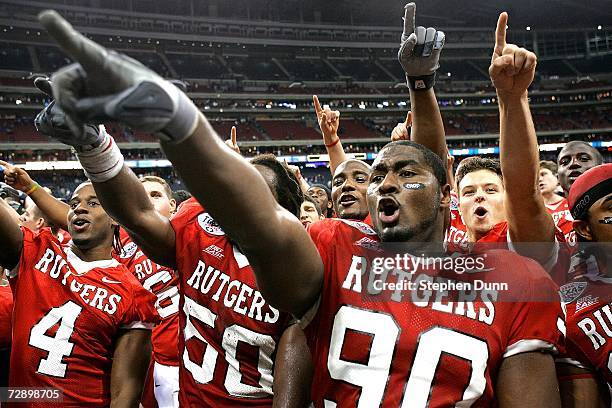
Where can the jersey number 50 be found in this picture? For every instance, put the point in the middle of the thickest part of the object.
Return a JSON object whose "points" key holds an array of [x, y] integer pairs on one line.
{"points": [[204, 372]]}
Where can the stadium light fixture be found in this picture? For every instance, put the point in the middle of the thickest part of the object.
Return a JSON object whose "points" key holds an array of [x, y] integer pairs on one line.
{"points": [[528, 28], [599, 27]]}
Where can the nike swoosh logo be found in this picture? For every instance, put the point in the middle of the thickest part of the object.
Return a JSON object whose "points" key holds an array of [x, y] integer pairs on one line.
{"points": [[107, 280]]}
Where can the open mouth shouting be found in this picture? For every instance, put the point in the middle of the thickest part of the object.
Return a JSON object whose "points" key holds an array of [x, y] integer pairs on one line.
{"points": [[347, 199], [480, 212], [388, 211], [573, 175], [80, 224]]}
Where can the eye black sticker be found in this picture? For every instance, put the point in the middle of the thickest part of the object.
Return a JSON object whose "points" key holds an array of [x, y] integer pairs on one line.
{"points": [[414, 186]]}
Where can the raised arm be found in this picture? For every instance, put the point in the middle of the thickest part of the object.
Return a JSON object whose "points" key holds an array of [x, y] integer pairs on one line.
{"points": [[329, 121], [106, 85], [419, 56], [55, 210], [119, 190], [286, 263], [400, 131], [130, 362], [512, 70], [11, 237]]}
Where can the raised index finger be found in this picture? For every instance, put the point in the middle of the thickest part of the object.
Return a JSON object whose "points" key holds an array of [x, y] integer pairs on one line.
{"points": [[83, 50], [317, 105], [233, 135], [409, 19], [500, 33], [6, 165]]}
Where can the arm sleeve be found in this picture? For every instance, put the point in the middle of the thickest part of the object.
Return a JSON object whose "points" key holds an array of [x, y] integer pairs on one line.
{"points": [[31, 242], [539, 324], [322, 235], [141, 313]]}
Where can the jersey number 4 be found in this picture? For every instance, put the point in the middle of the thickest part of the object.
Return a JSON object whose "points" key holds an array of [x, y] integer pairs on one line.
{"points": [[432, 343], [58, 346]]}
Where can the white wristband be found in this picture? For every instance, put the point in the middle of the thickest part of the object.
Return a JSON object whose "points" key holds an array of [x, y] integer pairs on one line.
{"points": [[104, 162]]}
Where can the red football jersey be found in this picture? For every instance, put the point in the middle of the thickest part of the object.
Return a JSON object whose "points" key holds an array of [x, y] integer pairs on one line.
{"points": [[64, 237], [67, 314], [163, 283], [563, 220], [588, 299], [229, 333], [418, 348], [456, 237], [6, 312], [498, 237]]}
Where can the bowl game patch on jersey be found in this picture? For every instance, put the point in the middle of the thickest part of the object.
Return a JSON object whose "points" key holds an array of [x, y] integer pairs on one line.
{"points": [[209, 225]]}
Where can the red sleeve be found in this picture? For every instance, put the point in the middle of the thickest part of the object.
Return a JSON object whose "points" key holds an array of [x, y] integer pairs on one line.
{"points": [[6, 312], [574, 356], [31, 245], [141, 313], [539, 322], [321, 234]]}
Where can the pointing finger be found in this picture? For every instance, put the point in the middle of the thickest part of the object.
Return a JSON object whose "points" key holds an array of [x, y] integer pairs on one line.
{"points": [[408, 121], [233, 135], [7, 166], [317, 105], [409, 19], [44, 85], [500, 33], [83, 50]]}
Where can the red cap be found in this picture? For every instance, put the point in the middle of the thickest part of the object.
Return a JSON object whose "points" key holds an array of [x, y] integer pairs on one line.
{"points": [[592, 185]]}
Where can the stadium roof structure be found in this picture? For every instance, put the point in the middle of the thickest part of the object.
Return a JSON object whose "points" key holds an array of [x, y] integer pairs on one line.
{"points": [[540, 14]]}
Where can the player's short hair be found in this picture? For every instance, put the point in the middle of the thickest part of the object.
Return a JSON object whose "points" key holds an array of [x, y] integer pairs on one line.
{"points": [[308, 197], [435, 163], [549, 165], [288, 191], [117, 245], [596, 154], [180, 196], [329, 211], [161, 181], [476, 163]]}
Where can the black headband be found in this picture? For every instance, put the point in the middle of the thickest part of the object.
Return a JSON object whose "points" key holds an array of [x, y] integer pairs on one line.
{"points": [[580, 209]]}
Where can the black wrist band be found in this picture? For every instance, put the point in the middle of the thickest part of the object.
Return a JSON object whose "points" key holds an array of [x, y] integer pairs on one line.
{"points": [[421, 83]]}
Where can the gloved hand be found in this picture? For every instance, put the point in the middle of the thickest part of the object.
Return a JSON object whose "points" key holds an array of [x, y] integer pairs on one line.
{"points": [[419, 52], [14, 198], [105, 85], [51, 121]]}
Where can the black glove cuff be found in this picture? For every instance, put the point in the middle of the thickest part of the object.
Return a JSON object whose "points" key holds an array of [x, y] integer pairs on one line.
{"points": [[421, 83]]}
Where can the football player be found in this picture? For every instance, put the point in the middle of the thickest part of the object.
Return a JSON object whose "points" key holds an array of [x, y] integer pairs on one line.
{"points": [[585, 371], [367, 353], [228, 333], [322, 195], [349, 186], [556, 204], [162, 382], [499, 201], [310, 212], [81, 321], [575, 158]]}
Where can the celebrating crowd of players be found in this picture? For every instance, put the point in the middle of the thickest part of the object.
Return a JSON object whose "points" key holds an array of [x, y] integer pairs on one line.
{"points": [[257, 291]]}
